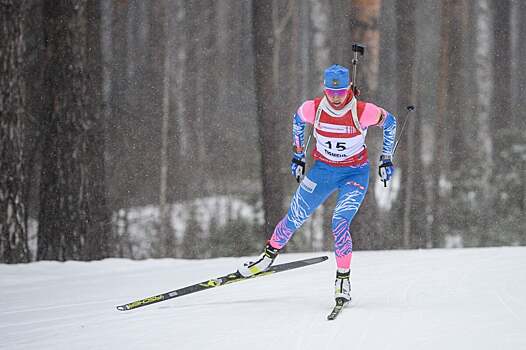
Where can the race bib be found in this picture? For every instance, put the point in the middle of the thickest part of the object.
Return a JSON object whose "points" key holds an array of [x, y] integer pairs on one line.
{"points": [[339, 149]]}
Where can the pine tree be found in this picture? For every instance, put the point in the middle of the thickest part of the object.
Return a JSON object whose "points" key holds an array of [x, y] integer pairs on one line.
{"points": [[13, 231], [73, 219]]}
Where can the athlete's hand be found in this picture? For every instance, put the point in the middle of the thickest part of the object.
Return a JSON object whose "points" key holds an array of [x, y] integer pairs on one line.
{"points": [[386, 169], [297, 166]]}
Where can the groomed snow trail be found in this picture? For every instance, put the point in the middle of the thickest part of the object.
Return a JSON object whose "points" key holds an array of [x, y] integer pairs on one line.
{"points": [[405, 299]]}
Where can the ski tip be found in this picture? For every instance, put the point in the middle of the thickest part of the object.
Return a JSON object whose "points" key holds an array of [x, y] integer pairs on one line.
{"points": [[121, 307], [340, 304], [320, 259], [316, 260]]}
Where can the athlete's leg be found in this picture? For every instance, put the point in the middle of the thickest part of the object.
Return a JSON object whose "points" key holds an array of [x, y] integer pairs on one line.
{"points": [[351, 195], [313, 191]]}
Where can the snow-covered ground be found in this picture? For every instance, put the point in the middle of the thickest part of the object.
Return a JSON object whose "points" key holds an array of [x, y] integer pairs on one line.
{"points": [[417, 299]]}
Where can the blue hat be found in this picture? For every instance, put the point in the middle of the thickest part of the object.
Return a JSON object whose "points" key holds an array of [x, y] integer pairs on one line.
{"points": [[336, 77]]}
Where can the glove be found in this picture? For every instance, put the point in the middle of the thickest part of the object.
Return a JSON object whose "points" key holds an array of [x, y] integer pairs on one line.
{"points": [[297, 166], [386, 169]]}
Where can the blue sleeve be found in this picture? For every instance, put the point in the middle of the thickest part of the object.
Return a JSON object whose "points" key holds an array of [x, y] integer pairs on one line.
{"points": [[389, 135], [298, 132]]}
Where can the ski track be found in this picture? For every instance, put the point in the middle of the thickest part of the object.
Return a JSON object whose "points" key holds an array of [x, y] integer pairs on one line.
{"points": [[412, 299], [507, 307], [54, 307], [363, 337]]}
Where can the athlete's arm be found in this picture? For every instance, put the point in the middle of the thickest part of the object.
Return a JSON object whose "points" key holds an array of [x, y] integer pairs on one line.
{"points": [[389, 126], [375, 116], [304, 114]]}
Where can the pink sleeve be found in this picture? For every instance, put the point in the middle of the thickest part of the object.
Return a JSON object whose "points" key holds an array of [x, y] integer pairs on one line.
{"points": [[306, 111], [371, 115]]}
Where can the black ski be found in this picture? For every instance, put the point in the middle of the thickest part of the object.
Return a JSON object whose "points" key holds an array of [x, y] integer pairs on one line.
{"points": [[216, 282], [340, 304]]}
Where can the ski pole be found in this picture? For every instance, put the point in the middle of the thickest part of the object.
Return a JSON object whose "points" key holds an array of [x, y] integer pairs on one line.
{"points": [[409, 108]]}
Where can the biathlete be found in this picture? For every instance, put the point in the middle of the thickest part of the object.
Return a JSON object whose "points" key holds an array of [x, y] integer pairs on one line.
{"points": [[340, 124]]}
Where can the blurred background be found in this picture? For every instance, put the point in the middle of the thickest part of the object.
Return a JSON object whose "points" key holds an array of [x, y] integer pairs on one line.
{"points": [[145, 129]]}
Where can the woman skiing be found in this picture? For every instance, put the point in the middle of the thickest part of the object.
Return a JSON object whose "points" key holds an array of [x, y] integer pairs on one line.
{"points": [[341, 164]]}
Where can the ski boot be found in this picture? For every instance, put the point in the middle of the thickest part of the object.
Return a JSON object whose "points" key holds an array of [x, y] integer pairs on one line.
{"points": [[262, 263], [342, 285]]}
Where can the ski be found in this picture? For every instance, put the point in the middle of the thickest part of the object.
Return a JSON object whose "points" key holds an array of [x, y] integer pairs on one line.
{"points": [[340, 304], [216, 282]]}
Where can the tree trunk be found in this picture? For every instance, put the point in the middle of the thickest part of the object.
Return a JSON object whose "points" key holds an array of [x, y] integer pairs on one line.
{"points": [[166, 234], [502, 67], [406, 37], [118, 139], [365, 16], [320, 43], [520, 73], [33, 70], [13, 231], [99, 240], [267, 116], [178, 137], [195, 157], [365, 30], [389, 236], [71, 191], [484, 81]]}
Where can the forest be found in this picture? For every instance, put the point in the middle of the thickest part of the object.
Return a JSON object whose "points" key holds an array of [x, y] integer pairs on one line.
{"points": [[148, 129]]}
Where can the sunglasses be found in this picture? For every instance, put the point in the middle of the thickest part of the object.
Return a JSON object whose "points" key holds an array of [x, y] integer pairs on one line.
{"points": [[336, 92]]}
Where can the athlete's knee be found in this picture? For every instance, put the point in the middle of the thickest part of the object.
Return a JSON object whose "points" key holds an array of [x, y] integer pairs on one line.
{"points": [[300, 209]]}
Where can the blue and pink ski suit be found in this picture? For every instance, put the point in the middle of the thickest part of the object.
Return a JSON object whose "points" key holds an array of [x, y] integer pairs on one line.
{"points": [[341, 164]]}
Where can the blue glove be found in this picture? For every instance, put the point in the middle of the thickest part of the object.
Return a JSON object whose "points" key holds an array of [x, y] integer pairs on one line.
{"points": [[297, 166], [386, 169]]}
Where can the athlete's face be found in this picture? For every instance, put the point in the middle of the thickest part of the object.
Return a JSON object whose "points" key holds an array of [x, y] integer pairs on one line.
{"points": [[337, 96]]}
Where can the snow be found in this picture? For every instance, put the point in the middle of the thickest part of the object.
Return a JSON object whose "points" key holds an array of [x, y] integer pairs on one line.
{"points": [[411, 299]]}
